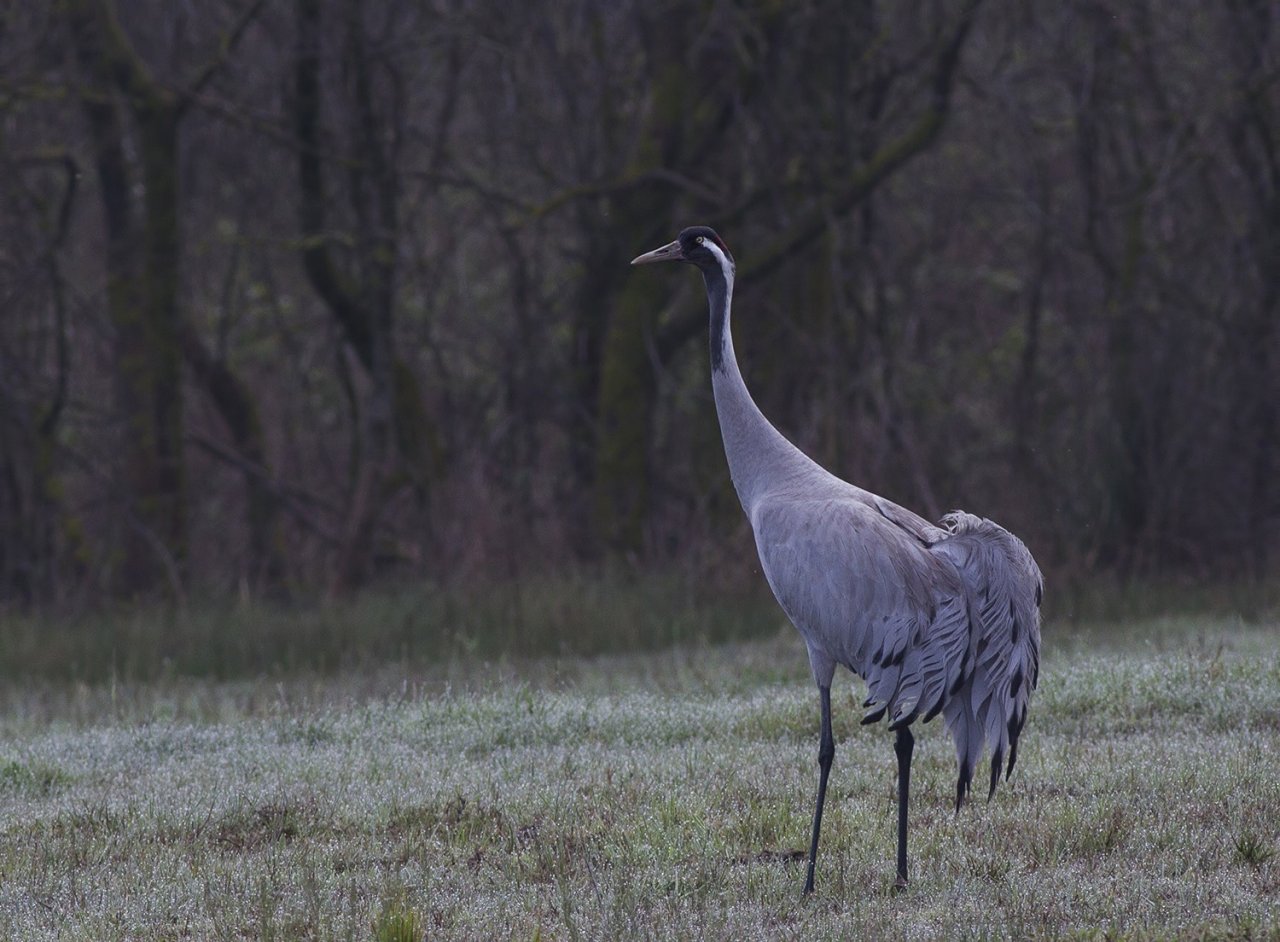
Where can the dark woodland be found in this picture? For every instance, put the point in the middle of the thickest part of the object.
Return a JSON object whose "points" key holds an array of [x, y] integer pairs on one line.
{"points": [[300, 297]]}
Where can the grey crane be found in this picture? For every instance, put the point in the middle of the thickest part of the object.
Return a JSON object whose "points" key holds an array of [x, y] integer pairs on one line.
{"points": [[935, 618]]}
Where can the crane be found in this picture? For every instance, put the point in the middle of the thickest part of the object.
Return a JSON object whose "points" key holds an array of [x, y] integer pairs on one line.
{"points": [[935, 619]]}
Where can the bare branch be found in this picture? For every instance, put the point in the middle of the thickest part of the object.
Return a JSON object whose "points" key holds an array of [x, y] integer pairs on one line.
{"points": [[225, 47]]}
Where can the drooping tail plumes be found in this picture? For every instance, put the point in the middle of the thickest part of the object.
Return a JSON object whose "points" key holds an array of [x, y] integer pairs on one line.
{"points": [[1004, 587]]}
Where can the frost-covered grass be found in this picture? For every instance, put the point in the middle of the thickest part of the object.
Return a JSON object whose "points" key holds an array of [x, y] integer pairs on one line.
{"points": [[660, 795]]}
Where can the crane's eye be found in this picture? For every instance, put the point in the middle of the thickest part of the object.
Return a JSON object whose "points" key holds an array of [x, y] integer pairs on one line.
{"points": [[700, 240]]}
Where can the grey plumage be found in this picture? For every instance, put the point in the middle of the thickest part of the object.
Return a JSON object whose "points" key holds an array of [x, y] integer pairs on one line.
{"points": [[935, 618]]}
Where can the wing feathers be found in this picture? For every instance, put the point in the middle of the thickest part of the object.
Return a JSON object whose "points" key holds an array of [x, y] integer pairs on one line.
{"points": [[935, 619], [1005, 587]]}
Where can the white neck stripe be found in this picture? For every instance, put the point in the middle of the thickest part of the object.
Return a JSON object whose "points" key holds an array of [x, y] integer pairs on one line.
{"points": [[726, 266]]}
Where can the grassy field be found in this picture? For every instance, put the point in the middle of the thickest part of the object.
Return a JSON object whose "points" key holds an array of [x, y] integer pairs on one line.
{"points": [[661, 794]]}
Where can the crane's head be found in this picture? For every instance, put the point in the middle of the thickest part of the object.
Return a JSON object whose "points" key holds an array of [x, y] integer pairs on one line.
{"points": [[698, 245]]}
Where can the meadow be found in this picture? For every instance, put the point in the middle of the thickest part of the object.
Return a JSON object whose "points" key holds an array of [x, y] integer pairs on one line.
{"points": [[426, 767]]}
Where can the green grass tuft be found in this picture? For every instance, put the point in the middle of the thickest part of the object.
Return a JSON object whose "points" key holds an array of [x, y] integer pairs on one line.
{"points": [[398, 922], [37, 777], [1254, 850]]}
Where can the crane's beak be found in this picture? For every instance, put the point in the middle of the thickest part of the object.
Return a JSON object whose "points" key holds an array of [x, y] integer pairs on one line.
{"points": [[670, 252]]}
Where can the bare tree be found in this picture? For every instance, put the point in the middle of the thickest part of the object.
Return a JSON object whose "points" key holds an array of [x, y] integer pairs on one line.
{"points": [[396, 442], [134, 122]]}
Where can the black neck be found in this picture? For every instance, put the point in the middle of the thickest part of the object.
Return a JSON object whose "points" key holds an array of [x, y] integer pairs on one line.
{"points": [[718, 300]]}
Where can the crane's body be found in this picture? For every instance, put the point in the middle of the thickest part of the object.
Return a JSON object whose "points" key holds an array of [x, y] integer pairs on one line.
{"points": [[935, 618]]}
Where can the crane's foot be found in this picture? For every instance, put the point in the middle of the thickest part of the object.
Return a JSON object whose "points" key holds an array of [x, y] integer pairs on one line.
{"points": [[900, 883]]}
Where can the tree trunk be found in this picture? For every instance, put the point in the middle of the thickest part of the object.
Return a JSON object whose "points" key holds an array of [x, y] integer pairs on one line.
{"points": [[142, 287], [239, 410], [395, 440]]}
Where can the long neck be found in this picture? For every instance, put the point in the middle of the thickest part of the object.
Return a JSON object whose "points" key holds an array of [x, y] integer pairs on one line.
{"points": [[760, 458]]}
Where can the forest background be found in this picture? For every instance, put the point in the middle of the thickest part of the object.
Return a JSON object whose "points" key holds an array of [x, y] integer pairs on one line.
{"points": [[302, 298]]}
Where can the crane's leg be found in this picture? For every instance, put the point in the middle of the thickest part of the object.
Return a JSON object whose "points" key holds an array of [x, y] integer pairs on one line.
{"points": [[903, 747], [826, 753]]}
